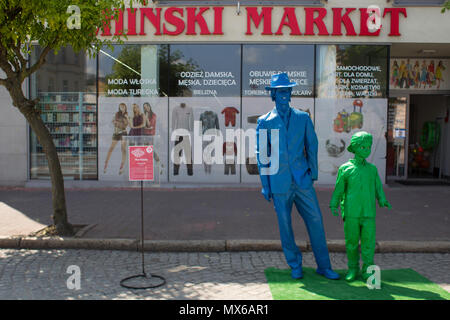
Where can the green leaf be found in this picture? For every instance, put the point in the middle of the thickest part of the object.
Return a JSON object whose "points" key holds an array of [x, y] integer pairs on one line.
{"points": [[24, 22]]}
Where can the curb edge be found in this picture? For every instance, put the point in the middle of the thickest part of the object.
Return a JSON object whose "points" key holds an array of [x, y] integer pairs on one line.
{"points": [[208, 245]]}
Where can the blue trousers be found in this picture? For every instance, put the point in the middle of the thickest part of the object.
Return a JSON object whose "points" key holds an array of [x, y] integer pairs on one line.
{"points": [[308, 207]]}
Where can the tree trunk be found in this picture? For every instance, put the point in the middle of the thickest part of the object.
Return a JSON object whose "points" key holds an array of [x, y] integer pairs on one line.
{"points": [[27, 108]]}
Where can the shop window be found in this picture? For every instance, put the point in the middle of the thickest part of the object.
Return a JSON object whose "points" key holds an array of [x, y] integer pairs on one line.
{"points": [[133, 71], [70, 114], [51, 85], [351, 71], [205, 91], [196, 73], [76, 58], [259, 63], [65, 86], [351, 86], [133, 107], [62, 57]]}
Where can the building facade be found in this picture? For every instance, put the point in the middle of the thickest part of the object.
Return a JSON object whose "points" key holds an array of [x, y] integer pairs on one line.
{"points": [[190, 81]]}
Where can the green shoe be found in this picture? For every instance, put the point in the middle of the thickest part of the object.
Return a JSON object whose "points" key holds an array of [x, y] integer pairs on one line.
{"points": [[351, 275], [365, 276], [364, 273]]}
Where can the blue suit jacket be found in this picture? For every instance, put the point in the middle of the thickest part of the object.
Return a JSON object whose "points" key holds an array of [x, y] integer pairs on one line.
{"points": [[297, 151]]}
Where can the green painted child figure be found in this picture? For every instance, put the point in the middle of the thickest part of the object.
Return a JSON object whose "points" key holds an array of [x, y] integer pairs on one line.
{"points": [[358, 186]]}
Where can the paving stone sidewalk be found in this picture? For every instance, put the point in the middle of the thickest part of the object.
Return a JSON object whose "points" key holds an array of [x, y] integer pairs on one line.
{"points": [[418, 214], [42, 274]]}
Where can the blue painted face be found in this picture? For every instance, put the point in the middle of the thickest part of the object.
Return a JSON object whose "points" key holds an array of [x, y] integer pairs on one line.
{"points": [[282, 98]]}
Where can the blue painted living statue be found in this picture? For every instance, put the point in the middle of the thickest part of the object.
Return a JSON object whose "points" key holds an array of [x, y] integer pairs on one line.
{"points": [[293, 181]]}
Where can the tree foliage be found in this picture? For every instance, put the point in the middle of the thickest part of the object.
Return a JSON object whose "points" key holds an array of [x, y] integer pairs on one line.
{"points": [[446, 6], [49, 23], [130, 56], [27, 22]]}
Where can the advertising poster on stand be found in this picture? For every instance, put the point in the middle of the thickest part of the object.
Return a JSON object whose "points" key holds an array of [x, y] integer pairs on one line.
{"points": [[140, 159]]}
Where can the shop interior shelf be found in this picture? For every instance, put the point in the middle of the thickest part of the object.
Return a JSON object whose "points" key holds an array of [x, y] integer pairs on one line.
{"points": [[75, 136]]}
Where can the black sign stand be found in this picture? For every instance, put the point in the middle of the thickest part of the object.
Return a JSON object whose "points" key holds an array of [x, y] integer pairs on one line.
{"points": [[144, 275]]}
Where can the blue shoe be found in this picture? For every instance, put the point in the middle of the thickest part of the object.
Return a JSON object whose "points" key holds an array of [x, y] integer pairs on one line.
{"points": [[297, 273], [328, 273]]}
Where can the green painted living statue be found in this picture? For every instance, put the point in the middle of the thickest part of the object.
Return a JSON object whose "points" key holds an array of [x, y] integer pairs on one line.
{"points": [[358, 186]]}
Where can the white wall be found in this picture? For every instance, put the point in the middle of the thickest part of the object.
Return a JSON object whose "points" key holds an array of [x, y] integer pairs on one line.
{"points": [[13, 142]]}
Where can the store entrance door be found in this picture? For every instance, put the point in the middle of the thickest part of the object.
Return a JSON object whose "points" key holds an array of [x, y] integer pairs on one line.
{"points": [[396, 155], [427, 137]]}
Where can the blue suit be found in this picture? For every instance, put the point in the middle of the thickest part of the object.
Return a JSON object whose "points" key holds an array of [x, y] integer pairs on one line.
{"points": [[293, 182]]}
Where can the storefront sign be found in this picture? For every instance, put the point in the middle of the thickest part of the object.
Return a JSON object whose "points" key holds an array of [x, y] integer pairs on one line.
{"points": [[173, 21], [140, 163], [207, 21], [314, 17]]}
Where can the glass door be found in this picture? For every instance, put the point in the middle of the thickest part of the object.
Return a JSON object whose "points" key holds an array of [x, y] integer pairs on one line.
{"points": [[396, 155]]}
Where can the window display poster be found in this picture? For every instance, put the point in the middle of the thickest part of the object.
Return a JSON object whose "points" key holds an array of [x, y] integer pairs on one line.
{"points": [[252, 109], [351, 71], [336, 121], [140, 163], [132, 70], [200, 150], [132, 121], [260, 62], [419, 74], [205, 70]]}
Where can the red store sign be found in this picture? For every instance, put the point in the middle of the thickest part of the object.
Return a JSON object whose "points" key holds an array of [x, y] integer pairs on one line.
{"points": [[175, 21]]}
